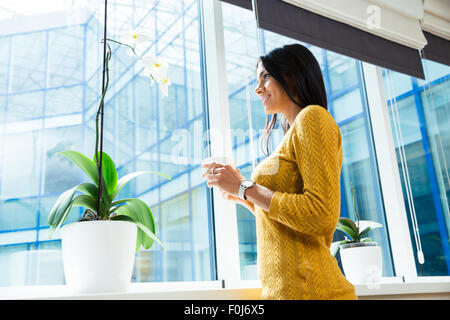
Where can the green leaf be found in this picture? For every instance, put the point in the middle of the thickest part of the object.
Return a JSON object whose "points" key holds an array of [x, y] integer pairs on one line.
{"points": [[348, 231], [115, 203], [89, 188], [140, 212], [125, 179], [349, 223], [367, 240], [109, 173], [61, 209], [84, 163], [130, 213], [364, 232], [141, 227], [92, 190], [85, 201]]}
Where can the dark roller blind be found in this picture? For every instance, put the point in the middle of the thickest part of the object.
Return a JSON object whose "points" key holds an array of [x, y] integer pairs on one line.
{"points": [[306, 26], [246, 4], [437, 49]]}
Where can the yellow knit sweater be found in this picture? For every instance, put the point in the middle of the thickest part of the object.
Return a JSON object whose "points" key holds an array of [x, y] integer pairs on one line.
{"points": [[294, 236]]}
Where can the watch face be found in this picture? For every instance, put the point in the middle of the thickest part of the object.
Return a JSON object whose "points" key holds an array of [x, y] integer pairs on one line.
{"points": [[247, 183]]}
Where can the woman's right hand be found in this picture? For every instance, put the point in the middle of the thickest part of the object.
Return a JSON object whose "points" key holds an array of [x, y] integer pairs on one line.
{"points": [[249, 205]]}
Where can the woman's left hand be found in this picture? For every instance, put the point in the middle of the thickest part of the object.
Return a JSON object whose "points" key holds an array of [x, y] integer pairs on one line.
{"points": [[222, 176]]}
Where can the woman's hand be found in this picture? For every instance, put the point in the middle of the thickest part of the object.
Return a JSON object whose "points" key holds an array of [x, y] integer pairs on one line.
{"points": [[224, 177], [227, 179], [249, 205]]}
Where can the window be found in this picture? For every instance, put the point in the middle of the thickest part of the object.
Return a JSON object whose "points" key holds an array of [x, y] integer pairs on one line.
{"points": [[420, 121], [48, 102]]}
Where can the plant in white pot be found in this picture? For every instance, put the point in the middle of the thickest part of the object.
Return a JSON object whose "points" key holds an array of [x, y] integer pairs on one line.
{"points": [[360, 256], [99, 249]]}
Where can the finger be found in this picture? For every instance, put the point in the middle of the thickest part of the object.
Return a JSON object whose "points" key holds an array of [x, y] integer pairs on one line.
{"points": [[208, 173], [211, 183], [208, 164]]}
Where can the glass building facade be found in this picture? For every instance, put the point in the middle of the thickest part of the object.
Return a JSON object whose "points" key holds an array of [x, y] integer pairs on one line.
{"points": [[50, 86]]}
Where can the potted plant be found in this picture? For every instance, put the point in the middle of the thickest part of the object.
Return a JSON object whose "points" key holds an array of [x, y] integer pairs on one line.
{"points": [[98, 250], [360, 255]]}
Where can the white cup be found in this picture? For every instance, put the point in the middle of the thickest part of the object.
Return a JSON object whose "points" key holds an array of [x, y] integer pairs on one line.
{"points": [[220, 159]]}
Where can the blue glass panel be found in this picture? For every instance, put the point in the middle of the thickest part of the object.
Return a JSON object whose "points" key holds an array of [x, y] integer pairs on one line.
{"points": [[28, 66], [18, 213], [64, 101], [65, 52], [342, 71], [347, 106], [25, 106], [4, 64]]}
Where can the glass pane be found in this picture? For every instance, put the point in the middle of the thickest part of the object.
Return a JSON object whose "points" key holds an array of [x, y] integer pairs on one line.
{"points": [[65, 56], [4, 64], [16, 214], [28, 66], [59, 172], [342, 72], [20, 157], [420, 121], [64, 101], [25, 106], [344, 106]]}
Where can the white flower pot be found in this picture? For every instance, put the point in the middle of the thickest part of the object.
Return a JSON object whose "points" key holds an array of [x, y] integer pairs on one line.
{"points": [[98, 256], [361, 262]]}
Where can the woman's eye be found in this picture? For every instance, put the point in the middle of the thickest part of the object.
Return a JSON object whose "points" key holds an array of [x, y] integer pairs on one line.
{"points": [[265, 76]]}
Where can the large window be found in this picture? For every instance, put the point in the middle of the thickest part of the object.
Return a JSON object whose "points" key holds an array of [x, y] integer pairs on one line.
{"points": [[420, 120], [50, 87]]}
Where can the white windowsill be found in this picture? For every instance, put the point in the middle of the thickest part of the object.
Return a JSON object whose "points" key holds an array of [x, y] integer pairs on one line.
{"points": [[212, 290]]}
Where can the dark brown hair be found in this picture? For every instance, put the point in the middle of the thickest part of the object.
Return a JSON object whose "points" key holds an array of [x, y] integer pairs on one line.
{"points": [[298, 72]]}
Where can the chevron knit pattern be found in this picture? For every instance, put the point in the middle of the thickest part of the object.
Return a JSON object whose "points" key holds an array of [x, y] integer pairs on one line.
{"points": [[294, 236]]}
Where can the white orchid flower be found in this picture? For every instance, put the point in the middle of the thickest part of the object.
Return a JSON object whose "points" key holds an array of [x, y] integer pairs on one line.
{"points": [[134, 37], [157, 68], [164, 86]]}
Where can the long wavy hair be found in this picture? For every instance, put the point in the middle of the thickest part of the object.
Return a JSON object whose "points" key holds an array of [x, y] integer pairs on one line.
{"points": [[297, 70]]}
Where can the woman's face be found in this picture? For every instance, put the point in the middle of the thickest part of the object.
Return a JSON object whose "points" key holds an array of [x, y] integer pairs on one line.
{"points": [[272, 94]]}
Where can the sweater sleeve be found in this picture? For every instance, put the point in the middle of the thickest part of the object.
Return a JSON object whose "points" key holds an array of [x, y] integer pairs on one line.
{"points": [[316, 144]]}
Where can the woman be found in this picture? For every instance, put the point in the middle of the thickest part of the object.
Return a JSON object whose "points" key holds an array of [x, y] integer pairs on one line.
{"points": [[295, 196]]}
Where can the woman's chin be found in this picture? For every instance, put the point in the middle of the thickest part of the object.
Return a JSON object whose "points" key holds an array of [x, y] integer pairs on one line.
{"points": [[268, 110]]}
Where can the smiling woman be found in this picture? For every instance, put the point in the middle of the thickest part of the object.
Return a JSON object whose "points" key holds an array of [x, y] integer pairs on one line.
{"points": [[295, 192]]}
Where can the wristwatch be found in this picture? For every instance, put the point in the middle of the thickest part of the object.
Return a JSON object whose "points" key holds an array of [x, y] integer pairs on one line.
{"points": [[244, 186]]}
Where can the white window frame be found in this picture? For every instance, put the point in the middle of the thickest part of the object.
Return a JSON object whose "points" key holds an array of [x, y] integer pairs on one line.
{"points": [[225, 213]]}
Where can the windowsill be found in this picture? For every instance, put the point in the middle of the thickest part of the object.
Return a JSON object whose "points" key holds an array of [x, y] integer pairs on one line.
{"points": [[212, 290]]}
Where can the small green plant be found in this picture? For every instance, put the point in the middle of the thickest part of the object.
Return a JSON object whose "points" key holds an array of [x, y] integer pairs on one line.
{"points": [[354, 232]]}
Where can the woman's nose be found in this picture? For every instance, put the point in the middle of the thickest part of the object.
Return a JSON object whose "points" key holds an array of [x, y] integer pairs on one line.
{"points": [[259, 90]]}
